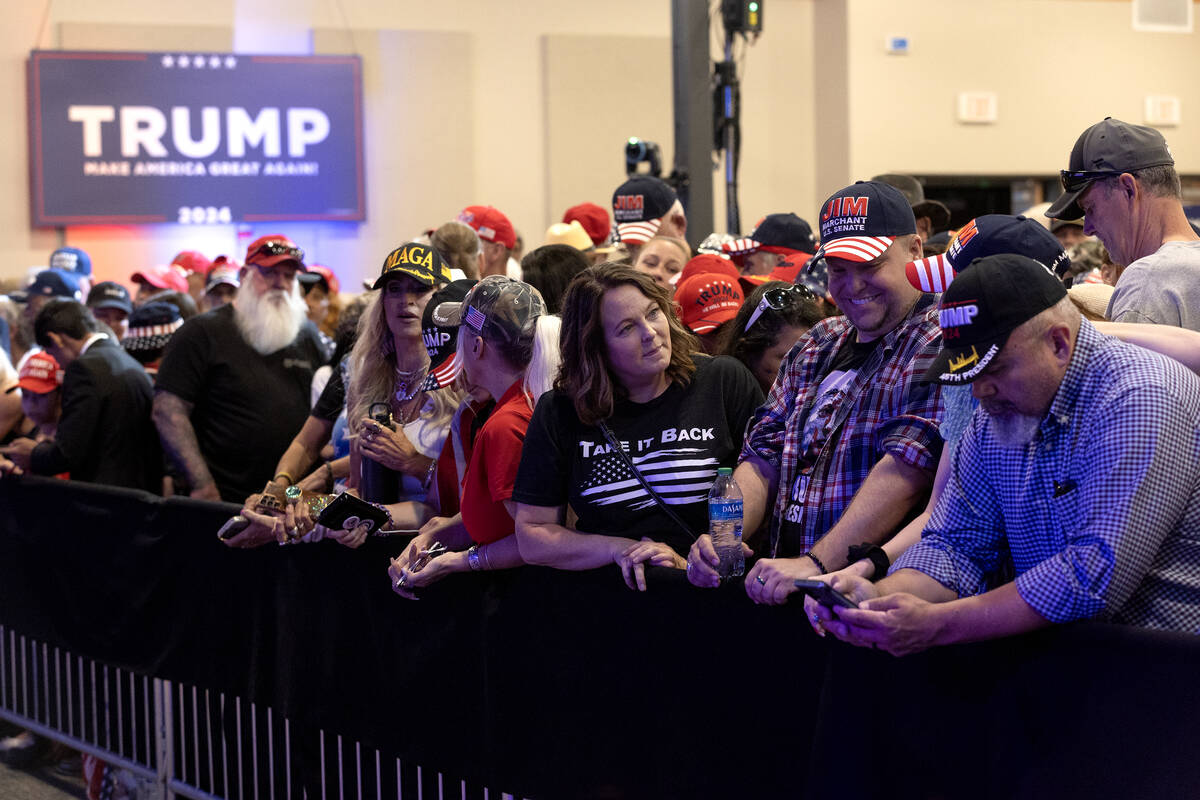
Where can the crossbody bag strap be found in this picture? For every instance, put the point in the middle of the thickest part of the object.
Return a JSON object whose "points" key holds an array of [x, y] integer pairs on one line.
{"points": [[616, 446]]}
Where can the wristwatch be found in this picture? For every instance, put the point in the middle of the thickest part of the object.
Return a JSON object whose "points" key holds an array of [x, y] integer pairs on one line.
{"points": [[873, 553]]}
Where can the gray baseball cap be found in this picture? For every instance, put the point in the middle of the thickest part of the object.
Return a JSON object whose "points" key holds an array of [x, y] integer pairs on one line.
{"points": [[497, 307], [1105, 150]]}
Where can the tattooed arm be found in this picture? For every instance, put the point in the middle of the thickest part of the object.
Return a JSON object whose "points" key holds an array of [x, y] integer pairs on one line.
{"points": [[172, 417]]}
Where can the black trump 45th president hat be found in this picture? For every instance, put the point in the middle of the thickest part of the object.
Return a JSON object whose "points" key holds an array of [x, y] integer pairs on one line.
{"points": [[983, 306]]}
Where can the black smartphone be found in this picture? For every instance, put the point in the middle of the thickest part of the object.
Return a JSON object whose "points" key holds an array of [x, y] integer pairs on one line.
{"points": [[824, 594], [232, 527], [347, 512]]}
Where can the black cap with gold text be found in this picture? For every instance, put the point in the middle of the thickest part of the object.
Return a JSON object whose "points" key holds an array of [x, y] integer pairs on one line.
{"points": [[983, 306], [419, 261]]}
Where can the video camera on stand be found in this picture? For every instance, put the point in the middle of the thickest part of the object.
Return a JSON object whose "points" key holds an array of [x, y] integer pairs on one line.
{"points": [[642, 151]]}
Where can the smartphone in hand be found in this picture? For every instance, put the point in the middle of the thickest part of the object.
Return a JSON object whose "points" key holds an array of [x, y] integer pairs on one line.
{"points": [[347, 512], [232, 527], [824, 594]]}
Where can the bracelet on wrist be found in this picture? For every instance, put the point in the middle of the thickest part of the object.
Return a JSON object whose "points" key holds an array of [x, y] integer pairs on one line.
{"points": [[286, 476], [809, 555], [328, 477], [473, 558], [390, 522]]}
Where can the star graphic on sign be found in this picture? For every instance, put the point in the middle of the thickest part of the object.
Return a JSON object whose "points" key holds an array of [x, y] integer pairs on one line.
{"points": [[184, 61], [214, 62], [230, 62], [168, 61]]}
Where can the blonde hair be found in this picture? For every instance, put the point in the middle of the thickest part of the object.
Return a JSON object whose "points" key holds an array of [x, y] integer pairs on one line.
{"points": [[373, 371], [459, 246], [8, 373], [546, 358], [680, 244]]}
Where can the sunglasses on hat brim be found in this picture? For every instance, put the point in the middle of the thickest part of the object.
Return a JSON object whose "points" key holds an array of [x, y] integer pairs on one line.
{"points": [[1075, 179], [778, 300], [278, 249]]}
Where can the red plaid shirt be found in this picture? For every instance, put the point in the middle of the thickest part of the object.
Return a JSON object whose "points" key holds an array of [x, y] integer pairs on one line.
{"points": [[888, 409]]}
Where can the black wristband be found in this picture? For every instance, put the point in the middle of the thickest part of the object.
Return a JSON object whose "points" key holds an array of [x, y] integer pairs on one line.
{"points": [[872, 552], [816, 561]]}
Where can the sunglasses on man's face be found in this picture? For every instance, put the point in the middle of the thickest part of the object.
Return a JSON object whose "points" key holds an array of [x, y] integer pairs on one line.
{"points": [[779, 300], [1075, 179], [278, 249]]}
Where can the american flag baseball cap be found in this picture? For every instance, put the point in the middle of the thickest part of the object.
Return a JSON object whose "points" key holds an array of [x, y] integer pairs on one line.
{"points": [[639, 205], [860, 222], [990, 234]]}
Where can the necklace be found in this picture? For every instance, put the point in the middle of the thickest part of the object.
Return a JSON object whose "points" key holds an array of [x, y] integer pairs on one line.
{"points": [[414, 378], [414, 411]]}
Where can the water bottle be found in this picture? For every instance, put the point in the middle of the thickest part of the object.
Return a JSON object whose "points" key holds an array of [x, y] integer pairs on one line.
{"points": [[725, 523], [377, 483]]}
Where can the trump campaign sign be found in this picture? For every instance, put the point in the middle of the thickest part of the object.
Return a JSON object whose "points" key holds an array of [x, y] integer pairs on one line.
{"points": [[194, 138]]}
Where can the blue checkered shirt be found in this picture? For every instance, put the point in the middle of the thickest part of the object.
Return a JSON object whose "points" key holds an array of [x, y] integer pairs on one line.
{"points": [[1100, 514], [888, 410]]}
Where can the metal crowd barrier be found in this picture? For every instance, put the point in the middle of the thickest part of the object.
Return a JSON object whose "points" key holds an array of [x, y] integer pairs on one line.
{"points": [[177, 740], [277, 672]]}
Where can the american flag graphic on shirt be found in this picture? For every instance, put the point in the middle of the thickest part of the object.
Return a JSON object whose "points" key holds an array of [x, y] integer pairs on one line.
{"points": [[679, 475]]}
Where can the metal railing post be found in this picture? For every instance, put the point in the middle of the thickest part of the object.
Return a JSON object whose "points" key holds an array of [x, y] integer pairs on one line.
{"points": [[164, 727]]}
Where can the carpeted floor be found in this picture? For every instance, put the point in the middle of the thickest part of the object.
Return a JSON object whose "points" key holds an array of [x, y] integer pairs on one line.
{"points": [[40, 783]]}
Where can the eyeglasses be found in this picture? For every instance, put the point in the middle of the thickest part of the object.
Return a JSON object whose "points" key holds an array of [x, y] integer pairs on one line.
{"points": [[779, 300], [278, 249], [1075, 179]]}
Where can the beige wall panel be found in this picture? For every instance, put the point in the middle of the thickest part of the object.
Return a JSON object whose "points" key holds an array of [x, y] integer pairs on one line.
{"points": [[1057, 65], [599, 91], [509, 145], [628, 76], [166, 13], [833, 99], [779, 135], [20, 245], [183, 38], [418, 100]]}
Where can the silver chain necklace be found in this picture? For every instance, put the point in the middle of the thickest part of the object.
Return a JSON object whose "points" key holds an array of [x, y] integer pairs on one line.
{"points": [[403, 393]]}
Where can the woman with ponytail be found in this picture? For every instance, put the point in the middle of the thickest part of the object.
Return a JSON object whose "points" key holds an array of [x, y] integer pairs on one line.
{"points": [[508, 345]]}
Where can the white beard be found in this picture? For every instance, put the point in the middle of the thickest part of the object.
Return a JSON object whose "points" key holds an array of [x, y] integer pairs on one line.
{"points": [[1014, 431], [270, 321]]}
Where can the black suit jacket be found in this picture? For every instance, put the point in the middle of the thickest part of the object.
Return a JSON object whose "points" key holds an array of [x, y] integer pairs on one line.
{"points": [[105, 434]]}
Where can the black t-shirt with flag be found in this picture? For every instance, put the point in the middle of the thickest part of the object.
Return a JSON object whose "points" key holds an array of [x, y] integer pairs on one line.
{"points": [[677, 441]]}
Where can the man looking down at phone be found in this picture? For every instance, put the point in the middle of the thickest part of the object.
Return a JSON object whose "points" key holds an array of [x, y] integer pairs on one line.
{"points": [[846, 444], [1079, 470]]}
